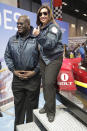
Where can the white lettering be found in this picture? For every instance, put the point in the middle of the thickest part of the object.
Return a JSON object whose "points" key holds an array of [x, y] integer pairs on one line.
{"points": [[64, 77], [6, 20], [70, 83], [16, 15], [64, 83]]}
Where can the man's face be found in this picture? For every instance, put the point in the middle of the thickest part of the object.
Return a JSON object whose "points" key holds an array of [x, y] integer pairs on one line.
{"points": [[22, 25]]}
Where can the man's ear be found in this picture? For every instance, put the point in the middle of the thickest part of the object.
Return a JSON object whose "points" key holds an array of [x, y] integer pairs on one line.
{"points": [[28, 26]]}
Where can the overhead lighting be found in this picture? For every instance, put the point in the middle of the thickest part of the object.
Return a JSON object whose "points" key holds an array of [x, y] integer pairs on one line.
{"points": [[64, 3], [81, 28], [85, 14], [73, 25], [76, 10], [86, 34]]}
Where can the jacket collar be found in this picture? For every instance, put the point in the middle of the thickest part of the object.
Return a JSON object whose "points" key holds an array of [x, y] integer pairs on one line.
{"points": [[29, 35], [46, 25]]}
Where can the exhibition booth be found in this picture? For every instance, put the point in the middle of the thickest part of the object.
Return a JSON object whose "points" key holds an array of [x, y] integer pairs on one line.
{"points": [[67, 98]]}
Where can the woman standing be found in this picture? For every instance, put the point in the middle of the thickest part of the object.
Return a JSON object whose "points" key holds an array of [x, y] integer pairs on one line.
{"points": [[51, 56]]}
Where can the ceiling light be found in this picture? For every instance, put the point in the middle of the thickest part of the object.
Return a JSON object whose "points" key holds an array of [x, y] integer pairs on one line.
{"points": [[64, 3], [76, 10], [85, 14], [81, 28], [73, 25]]}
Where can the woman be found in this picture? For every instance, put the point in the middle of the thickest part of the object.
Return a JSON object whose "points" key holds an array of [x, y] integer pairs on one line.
{"points": [[51, 56]]}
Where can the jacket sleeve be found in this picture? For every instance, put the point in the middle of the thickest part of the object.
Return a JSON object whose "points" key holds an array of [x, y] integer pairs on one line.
{"points": [[51, 38], [37, 68], [8, 58]]}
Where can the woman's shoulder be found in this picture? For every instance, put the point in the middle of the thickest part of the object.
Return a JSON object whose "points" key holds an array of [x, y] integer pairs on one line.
{"points": [[54, 28]]}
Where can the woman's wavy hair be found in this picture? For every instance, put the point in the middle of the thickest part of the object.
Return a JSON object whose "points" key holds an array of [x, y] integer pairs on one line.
{"points": [[51, 18]]}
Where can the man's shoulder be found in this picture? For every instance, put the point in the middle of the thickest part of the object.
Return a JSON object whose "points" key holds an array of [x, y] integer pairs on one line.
{"points": [[12, 38], [54, 25]]}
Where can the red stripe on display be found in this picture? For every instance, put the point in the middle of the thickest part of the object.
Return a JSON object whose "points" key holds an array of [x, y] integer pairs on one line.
{"points": [[60, 19]]}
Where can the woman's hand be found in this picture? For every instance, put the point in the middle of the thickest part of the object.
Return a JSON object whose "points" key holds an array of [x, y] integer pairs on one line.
{"points": [[36, 31]]}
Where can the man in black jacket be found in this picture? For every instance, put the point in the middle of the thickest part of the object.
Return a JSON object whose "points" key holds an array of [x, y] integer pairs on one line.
{"points": [[21, 57]]}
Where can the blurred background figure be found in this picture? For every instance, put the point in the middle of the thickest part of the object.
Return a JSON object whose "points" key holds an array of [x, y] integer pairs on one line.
{"points": [[84, 62], [66, 53], [82, 51]]}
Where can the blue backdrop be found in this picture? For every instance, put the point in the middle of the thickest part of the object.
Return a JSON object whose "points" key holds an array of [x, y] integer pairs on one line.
{"points": [[48, 2]]}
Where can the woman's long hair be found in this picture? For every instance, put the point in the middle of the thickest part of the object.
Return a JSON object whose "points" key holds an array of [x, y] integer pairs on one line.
{"points": [[51, 18]]}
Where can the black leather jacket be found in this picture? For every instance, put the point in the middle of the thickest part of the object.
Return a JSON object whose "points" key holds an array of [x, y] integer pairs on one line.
{"points": [[22, 54], [49, 40]]}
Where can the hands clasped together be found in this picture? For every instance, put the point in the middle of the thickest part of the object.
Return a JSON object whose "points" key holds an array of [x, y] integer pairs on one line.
{"points": [[23, 75]]}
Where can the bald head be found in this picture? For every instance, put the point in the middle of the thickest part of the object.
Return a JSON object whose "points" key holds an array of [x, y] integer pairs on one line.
{"points": [[24, 18], [23, 24]]}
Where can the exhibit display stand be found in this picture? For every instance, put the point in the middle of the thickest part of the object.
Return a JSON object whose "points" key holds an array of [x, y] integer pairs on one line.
{"points": [[64, 121]]}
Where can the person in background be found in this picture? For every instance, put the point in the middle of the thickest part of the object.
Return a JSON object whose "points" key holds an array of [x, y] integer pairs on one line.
{"points": [[76, 51], [21, 57], [66, 53], [82, 51], [79, 51], [71, 54], [51, 56], [84, 61]]}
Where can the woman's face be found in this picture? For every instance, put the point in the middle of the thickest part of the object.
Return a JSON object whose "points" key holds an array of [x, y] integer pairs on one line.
{"points": [[43, 15]]}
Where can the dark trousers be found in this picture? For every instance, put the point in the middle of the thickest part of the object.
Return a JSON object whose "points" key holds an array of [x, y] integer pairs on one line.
{"points": [[49, 81], [1, 114], [26, 97]]}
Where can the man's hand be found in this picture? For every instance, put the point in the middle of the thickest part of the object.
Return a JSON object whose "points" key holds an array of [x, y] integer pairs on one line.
{"points": [[17, 73], [24, 74], [28, 74]]}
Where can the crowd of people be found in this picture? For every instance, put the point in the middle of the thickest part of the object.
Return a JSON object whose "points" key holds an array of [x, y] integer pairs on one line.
{"points": [[77, 51]]}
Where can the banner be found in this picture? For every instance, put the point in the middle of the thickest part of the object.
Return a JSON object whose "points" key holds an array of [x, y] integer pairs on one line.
{"points": [[57, 9], [65, 31]]}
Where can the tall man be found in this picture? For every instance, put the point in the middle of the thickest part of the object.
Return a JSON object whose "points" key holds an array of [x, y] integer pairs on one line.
{"points": [[21, 57]]}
